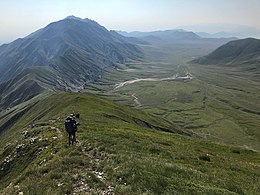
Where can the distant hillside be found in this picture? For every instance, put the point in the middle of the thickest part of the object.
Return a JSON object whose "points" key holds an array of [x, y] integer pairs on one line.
{"points": [[31, 82], [126, 38], [162, 36], [177, 36], [81, 43], [218, 35], [65, 55], [245, 51]]}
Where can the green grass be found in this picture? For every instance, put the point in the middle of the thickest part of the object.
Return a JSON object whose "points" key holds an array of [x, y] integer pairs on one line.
{"points": [[116, 154], [220, 103]]}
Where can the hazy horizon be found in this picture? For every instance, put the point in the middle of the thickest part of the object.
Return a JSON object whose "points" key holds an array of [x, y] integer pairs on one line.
{"points": [[20, 18]]}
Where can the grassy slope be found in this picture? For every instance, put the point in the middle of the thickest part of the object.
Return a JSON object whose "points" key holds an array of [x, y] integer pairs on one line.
{"points": [[233, 53], [28, 84], [114, 154], [220, 103]]}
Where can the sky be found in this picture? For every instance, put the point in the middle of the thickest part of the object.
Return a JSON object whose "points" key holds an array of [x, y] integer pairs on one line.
{"points": [[19, 18]]}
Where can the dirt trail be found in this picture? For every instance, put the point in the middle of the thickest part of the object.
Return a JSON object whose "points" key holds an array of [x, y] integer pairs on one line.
{"points": [[137, 102]]}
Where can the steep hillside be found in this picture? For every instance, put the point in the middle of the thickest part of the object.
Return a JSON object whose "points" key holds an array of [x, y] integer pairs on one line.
{"points": [[119, 151], [82, 43], [29, 83], [245, 51], [65, 55], [240, 58]]}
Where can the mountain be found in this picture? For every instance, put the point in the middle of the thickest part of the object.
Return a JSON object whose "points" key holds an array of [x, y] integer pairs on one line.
{"points": [[218, 35], [130, 39], [81, 44], [182, 136], [231, 30], [234, 53], [65, 55], [177, 36], [162, 36]]}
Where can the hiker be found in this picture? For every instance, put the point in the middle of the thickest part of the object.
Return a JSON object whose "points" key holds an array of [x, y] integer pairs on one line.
{"points": [[71, 127], [77, 115]]}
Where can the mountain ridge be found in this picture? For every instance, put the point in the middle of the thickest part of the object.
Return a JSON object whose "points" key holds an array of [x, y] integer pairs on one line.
{"points": [[61, 38], [113, 153], [163, 35], [242, 51], [69, 54]]}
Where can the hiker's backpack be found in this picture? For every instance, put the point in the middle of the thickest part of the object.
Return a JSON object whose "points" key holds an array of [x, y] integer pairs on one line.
{"points": [[69, 125]]}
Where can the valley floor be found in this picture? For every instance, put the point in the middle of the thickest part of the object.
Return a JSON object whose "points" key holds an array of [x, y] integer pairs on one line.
{"points": [[217, 103]]}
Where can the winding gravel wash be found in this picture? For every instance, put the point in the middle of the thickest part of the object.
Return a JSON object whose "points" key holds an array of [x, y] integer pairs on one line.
{"points": [[188, 76]]}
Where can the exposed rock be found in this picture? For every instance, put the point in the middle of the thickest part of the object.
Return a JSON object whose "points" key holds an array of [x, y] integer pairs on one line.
{"points": [[33, 141], [25, 134], [43, 161], [19, 147]]}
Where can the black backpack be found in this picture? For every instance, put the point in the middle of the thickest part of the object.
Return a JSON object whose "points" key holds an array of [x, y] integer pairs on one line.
{"points": [[69, 125]]}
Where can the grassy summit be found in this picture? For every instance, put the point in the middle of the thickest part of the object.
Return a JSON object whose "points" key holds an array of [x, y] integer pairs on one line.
{"points": [[120, 150]]}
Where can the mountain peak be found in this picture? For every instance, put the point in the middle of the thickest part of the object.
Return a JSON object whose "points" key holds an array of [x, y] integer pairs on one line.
{"points": [[80, 19], [92, 45], [73, 17]]}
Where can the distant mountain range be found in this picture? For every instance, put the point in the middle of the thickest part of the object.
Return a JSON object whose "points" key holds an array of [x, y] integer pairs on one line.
{"points": [[167, 35], [64, 55], [218, 35], [177, 36], [223, 30]]}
